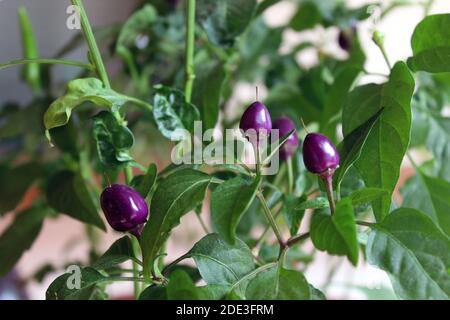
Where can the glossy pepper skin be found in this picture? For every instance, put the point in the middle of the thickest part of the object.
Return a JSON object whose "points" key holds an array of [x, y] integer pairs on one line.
{"points": [[286, 125], [320, 155], [124, 208], [256, 118]]}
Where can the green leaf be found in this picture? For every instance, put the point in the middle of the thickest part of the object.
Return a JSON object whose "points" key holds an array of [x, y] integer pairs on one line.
{"points": [[229, 201], [19, 236], [16, 182], [307, 17], [220, 263], [32, 72], [175, 196], [414, 252], [172, 112], [59, 288], [113, 140], [382, 154], [366, 195], [431, 45], [336, 97], [336, 234], [350, 148], [316, 203], [119, 252], [80, 91], [207, 92], [431, 196], [292, 215], [215, 291], [154, 293], [181, 287], [223, 21], [144, 183], [140, 22], [67, 193], [278, 283]]}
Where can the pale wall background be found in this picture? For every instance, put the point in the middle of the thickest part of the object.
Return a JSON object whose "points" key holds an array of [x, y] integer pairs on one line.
{"points": [[49, 17]]}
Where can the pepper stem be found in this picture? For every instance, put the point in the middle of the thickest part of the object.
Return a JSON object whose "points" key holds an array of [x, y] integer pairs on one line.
{"points": [[327, 178]]}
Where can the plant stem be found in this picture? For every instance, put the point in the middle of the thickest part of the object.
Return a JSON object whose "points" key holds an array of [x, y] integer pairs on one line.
{"points": [[46, 61], [271, 220], [202, 223], [296, 239], [92, 44], [290, 175], [173, 263], [364, 223], [328, 181], [190, 46], [253, 273], [136, 285]]}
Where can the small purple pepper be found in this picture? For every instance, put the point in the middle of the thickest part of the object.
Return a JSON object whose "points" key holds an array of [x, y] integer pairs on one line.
{"points": [[319, 154], [286, 125], [321, 157], [124, 208], [257, 119]]}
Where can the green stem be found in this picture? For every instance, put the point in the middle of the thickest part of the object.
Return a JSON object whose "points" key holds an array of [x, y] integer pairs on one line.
{"points": [[174, 262], [290, 175], [190, 46], [328, 181], [46, 61], [296, 239], [252, 274], [364, 223], [202, 223], [136, 285], [271, 220], [30, 50], [94, 52]]}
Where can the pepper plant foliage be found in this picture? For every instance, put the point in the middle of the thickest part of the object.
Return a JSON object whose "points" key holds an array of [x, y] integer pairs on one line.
{"points": [[181, 63]]}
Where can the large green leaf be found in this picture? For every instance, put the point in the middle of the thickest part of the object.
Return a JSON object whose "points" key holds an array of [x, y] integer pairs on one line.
{"points": [[207, 92], [366, 195], [119, 252], [223, 21], [292, 215], [350, 148], [219, 262], [144, 183], [16, 182], [431, 45], [172, 112], [67, 193], [64, 287], [154, 293], [229, 201], [181, 287], [414, 252], [431, 196], [278, 283], [113, 140], [336, 234], [336, 97], [175, 196], [78, 92], [382, 154], [19, 237]]}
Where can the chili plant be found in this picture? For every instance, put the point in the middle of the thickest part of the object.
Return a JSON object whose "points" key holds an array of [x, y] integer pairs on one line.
{"points": [[341, 148]]}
